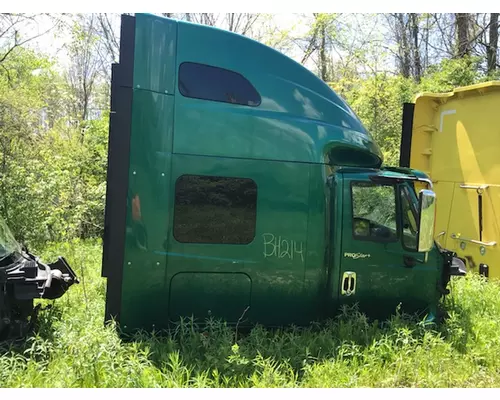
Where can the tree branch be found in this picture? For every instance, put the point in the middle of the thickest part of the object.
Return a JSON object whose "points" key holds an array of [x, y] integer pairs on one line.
{"points": [[18, 44]]}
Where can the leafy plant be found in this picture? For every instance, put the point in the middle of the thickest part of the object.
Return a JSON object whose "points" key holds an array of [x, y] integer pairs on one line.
{"points": [[73, 348]]}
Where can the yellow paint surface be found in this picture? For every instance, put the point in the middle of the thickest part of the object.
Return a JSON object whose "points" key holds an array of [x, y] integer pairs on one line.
{"points": [[456, 140]]}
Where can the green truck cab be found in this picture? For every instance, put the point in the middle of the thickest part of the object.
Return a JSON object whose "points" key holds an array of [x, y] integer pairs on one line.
{"points": [[241, 187]]}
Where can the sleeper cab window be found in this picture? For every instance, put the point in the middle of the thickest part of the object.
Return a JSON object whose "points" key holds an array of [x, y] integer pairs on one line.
{"points": [[205, 82], [215, 210], [374, 211]]}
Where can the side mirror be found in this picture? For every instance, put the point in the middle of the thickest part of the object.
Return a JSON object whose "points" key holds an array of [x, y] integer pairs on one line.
{"points": [[427, 216]]}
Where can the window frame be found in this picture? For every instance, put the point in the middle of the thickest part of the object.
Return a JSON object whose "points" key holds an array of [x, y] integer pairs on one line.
{"points": [[213, 100], [215, 243], [396, 208]]}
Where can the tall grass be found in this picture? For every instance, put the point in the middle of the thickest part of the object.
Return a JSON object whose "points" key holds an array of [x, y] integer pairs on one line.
{"points": [[72, 347]]}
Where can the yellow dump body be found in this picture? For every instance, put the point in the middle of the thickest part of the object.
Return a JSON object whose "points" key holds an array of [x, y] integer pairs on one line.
{"points": [[455, 138]]}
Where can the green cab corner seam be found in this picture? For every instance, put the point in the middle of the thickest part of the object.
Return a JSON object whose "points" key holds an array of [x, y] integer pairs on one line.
{"points": [[340, 215]]}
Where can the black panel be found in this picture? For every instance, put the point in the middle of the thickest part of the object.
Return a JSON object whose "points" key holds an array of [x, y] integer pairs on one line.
{"points": [[214, 209], [405, 149], [127, 48], [120, 122], [205, 82]]}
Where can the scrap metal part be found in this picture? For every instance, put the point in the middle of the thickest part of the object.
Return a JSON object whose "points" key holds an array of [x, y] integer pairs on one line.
{"points": [[23, 279]]}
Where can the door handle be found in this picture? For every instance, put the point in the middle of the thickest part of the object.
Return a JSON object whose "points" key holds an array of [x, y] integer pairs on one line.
{"points": [[349, 283]]}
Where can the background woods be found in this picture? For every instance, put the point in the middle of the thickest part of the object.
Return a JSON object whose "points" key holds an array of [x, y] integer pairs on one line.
{"points": [[55, 85]]}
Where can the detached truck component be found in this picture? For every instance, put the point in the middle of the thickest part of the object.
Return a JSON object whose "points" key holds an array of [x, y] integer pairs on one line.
{"points": [[455, 139], [23, 278], [241, 187]]}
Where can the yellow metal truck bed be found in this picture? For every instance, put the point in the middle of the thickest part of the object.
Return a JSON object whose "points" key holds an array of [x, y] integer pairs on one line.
{"points": [[455, 138]]}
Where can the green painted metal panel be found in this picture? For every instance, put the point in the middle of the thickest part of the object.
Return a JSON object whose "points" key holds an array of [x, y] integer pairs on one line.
{"points": [[148, 210], [277, 258], [210, 294], [155, 51], [299, 119], [319, 244]]}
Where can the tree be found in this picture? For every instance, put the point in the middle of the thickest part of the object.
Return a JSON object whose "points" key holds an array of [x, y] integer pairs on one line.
{"points": [[406, 32], [22, 92], [404, 50], [463, 40], [83, 73], [492, 48], [241, 23], [417, 62], [11, 25], [321, 40]]}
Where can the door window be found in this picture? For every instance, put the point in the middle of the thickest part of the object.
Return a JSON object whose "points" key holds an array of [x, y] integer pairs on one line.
{"points": [[374, 212]]}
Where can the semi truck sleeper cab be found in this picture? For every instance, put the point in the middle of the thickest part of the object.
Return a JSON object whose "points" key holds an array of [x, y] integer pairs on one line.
{"points": [[241, 187]]}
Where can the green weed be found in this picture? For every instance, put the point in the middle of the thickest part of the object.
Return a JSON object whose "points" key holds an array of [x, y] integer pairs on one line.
{"points": [[73, 348]]}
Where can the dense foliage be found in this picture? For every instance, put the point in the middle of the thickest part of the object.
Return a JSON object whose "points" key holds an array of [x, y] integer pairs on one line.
{"points": [[52, 170]]}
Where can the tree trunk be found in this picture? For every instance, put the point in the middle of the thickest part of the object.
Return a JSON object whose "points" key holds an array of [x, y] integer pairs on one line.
{"points": [[404, 48], [5, 211], [322, 55], [462, 21], [417, 72], [230, 18], [426, 56], [493, 43]]}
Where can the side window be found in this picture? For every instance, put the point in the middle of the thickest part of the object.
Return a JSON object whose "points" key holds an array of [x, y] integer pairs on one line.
{"points": [[205, 82], [374, 211], [214, 209], [409, 218]]}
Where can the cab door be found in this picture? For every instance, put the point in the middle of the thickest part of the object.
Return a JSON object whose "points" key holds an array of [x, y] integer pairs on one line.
{"points": [[379, 270]]}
